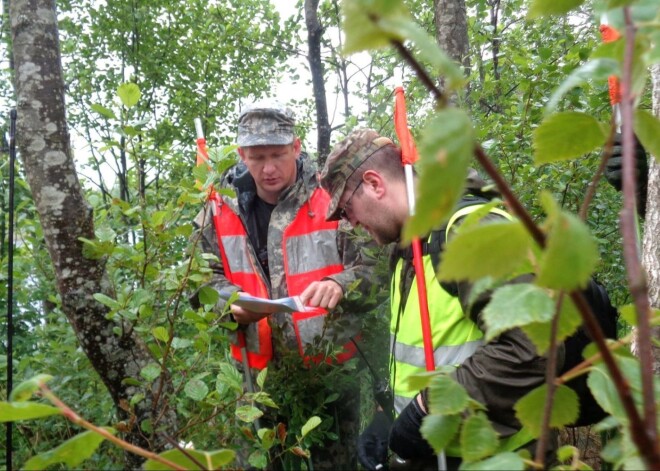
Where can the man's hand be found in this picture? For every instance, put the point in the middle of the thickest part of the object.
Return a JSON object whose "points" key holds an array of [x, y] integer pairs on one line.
{"points": [[244, 316], [405, 438], [614, 167], [372, 443], [325, 294]]}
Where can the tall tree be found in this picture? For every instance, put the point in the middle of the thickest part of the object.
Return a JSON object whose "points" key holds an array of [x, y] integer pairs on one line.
{"points": [[317, 69], [651, 243], [115, 351], [450, 17]]}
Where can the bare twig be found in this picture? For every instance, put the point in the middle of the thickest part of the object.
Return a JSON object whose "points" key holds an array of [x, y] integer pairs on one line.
{"points": [[542, 444]]}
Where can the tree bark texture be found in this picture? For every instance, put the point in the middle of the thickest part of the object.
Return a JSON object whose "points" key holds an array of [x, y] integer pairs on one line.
{"points": [[450, 19], [314, 35], [651, 243], [43, 143]]}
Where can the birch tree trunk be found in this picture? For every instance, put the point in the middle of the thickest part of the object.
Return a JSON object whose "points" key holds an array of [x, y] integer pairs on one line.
{"points": [[43, 142], [451, 33], [651, 243]]}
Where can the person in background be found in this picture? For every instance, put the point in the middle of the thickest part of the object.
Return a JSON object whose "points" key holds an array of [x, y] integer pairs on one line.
{"points": [[271, 240]]}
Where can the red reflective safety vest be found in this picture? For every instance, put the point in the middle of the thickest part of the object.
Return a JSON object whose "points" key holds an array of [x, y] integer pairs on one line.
{"points": [[310, 254]]}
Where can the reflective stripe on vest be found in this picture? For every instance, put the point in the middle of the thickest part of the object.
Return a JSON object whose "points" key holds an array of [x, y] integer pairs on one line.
{"points": [[310, 254]]}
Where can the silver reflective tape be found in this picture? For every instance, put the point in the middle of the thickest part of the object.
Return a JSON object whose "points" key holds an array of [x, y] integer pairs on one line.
{"points": [[444, 355], [236, 251], [309, 252], [310, 328]]}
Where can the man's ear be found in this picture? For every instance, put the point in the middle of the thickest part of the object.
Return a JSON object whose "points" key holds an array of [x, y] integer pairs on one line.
{"points": [[241, 152], [297, 146], [374, 182]]}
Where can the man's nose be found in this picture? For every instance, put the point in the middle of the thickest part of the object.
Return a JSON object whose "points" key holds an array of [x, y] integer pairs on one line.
{"points": [[269, 167]]}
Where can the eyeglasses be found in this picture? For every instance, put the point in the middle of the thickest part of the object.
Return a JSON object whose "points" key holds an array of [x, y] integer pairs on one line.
{"points": [[347, 205]]}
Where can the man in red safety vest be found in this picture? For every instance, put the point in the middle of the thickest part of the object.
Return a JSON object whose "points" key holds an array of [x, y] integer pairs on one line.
{"points": [[272, 241]]}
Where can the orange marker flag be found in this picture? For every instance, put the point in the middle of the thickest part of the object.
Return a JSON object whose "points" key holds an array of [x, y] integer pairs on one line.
{"points": [[409, 153]]}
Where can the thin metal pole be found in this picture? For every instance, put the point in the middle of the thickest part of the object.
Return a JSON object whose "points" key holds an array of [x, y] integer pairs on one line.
{"points": [[10, 279]]}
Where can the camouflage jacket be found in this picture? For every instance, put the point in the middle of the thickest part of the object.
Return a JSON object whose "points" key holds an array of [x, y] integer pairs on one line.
{"points": [[342, 323]]}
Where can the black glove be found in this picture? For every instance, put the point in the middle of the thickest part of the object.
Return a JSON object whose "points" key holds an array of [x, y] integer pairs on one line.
{"points": [[614, 167], [405, 438], [372, 443]]}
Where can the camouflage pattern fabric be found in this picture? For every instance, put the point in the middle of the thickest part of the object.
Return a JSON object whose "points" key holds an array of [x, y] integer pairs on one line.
{"points": [[345, 158], [266, 123]]}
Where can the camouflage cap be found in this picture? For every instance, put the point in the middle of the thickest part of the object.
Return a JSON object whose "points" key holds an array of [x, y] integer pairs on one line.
{"points": [[266, 123], [346, 157]]}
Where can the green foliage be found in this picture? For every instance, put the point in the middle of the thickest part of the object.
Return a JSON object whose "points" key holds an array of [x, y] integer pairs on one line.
{"points": [[567, 135], [467, 258], [14, 411], [445, 152], [647, 129], [530, 408], [569, 245], [191, 459], [72, 452], [515, 306]]}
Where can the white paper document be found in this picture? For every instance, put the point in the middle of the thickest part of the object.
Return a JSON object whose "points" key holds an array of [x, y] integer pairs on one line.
{"points": [[265, 305]]}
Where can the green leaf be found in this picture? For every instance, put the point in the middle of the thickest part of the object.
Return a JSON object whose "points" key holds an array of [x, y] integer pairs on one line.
{"points": [[571, 253], [541, 8], [597, 69], [72, 452], [311, 424], [439, 430], [160, 333], [569, 321], [647, 129], [258, 459], [24, 391], [103, 111], [419, 381], [208, 295], [515, 306], [229, 377], [565, 409], [478, 438], [567, 135], [181, 343], [107, 301], [567, 452], [150, 371], [248, 413], [494, 249], [446, 396], [261, 378], [129, 94], [509, 461], [209, 459], [196, 389], [265, 399], [14, 411], [446, 149], [361, 23], [267, 436]]}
